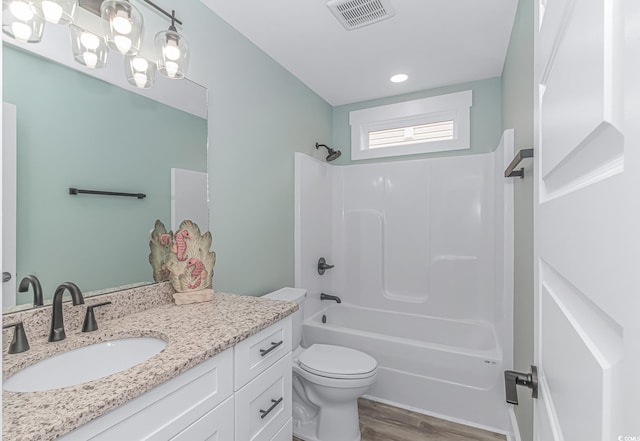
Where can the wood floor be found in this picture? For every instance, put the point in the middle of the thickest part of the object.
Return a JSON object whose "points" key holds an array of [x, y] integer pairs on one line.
{"points": [[380, 422]]}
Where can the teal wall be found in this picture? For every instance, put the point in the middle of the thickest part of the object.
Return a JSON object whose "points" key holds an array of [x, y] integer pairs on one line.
{"points": [[259, 115], [486, 119], [76, 131], [517, 81]]}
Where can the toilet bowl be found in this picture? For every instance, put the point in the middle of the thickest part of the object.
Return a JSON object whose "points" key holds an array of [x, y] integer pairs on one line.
{"points": [[328, 380]]}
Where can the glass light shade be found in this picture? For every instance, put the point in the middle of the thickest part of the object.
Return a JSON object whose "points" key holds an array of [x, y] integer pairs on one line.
{"points": [[22, 20], [123, 26], [140, 71], [58, 11], [89, 49], [172, 54]]}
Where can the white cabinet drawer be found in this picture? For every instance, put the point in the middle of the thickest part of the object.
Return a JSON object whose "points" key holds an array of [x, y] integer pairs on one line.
{"points": [[255, 354], [165, 410], [286, 433], [215, 425], [264, 405]]}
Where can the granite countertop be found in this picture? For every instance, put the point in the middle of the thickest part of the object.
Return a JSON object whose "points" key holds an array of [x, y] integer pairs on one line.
{"points": [[193, 334]]}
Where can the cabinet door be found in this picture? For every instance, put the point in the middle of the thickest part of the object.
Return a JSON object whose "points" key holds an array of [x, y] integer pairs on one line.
{"points": [[286, 433], [264, 405], [166, 409], [216, 425]]}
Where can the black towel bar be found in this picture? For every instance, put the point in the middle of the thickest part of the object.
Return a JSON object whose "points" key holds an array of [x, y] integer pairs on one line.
{"points": [[76, 191]]}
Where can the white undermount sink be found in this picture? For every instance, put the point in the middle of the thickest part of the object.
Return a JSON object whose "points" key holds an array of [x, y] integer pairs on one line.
{"points": [[84, 364]]}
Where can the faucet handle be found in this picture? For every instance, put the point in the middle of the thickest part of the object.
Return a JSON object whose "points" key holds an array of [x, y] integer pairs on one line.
{"points": [[90, 323], [323, 265], [19, 343]]}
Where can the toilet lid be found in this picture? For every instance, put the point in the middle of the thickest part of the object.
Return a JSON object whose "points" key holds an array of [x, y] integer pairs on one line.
{"points": [[337, 362]]}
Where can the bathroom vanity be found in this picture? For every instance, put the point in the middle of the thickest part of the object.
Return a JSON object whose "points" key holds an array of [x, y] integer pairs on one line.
{"points": [[225, 374]]}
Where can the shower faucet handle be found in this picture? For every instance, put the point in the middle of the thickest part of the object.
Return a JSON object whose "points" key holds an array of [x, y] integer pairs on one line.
{"points": [[512, 379], [323, 266]]}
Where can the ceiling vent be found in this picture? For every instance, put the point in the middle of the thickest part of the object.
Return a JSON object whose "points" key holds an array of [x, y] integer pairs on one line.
{"points": [[354, 14]]}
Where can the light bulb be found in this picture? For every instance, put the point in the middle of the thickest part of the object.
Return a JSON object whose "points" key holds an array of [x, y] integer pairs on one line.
{"points": [[171, 50], [122, 43], [89, 40], [172, 68], [52, 11], [140, 79], [21, 10], [140, 64], [121, 23], [90, 59], [21, 31]]}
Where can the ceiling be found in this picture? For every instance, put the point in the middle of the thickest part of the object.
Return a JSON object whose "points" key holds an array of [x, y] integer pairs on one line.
{"points": [[435, 42]]}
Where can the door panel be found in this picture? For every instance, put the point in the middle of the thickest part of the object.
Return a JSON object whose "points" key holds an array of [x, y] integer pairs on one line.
{"points": [[586, 221], [580, 104], [579, 350]]}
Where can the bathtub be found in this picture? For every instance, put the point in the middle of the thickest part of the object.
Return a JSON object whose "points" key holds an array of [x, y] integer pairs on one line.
{"points": [[446, 368]]}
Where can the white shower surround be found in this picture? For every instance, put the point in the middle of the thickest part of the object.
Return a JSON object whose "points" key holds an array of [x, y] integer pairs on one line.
{"points": [[418, 245]]}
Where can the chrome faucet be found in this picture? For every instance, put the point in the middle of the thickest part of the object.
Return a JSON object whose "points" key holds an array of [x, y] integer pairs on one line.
{"points": [[324, 296], [57, 323], [37, 289]]}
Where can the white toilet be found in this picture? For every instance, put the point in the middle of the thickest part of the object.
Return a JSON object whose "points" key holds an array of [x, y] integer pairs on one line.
{"points": [[327, 382]]}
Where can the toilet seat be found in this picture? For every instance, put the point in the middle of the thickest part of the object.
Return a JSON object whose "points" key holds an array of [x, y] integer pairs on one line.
{"points": [[337, 362]]}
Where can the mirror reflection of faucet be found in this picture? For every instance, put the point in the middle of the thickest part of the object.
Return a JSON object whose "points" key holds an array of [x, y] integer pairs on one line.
{"points": [[32, 280], [323, 266]]}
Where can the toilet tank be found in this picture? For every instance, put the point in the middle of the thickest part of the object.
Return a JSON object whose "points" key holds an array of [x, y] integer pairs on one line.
{"points": [[297, 295]]}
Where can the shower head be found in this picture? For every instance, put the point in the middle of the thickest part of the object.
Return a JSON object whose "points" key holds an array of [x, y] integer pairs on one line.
{"points": [[333, 154]]}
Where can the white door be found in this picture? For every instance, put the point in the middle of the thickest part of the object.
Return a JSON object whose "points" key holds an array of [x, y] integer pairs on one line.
{"points": [[8, 204], [189, 199], [587, 219]]}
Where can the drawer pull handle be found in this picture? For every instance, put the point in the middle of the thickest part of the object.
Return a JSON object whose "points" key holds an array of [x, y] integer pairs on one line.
{"points": [[264, 413], [274, 345]]}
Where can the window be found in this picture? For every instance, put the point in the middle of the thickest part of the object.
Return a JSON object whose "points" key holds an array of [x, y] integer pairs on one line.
{"points": [[426, 125]]}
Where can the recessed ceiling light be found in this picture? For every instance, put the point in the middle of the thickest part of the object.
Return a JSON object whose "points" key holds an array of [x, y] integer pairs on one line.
{"points": [[399, 78]]}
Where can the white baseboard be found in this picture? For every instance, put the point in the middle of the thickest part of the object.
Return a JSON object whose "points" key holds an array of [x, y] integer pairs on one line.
{"points": [[514, 430]]}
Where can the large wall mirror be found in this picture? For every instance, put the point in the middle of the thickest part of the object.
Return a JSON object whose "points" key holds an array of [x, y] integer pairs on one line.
{"points": [[74, 130]]}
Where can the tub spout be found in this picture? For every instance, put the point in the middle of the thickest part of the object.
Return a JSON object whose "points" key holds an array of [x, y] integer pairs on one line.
{"points": [[324, 296]]}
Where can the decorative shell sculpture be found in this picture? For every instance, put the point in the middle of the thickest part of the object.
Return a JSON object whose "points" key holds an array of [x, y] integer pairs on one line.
{"points": [[160, 246], [185, 257]]}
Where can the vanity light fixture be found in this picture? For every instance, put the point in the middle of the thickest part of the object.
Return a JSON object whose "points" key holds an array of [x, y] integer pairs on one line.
{"points": [[22, 20], [140, 71], [58, 11], [88, 48], [172, 51], [123, 26]]}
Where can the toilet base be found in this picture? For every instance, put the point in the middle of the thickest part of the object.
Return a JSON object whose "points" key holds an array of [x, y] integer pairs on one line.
{"points": [[306, 416], [306, 431]]}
